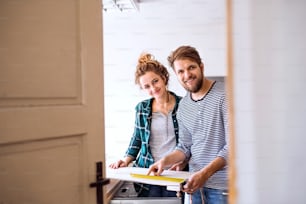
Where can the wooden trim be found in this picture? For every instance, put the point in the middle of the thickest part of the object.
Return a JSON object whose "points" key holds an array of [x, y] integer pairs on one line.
{"points": [[112, 188], [230, 93]]}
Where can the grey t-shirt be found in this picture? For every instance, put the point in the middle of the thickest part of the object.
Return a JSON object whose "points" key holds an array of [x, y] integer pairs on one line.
{"points": [[162, 139]]}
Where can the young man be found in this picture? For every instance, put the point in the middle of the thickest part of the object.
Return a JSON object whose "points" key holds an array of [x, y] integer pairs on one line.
{"points": [[203, 130]]}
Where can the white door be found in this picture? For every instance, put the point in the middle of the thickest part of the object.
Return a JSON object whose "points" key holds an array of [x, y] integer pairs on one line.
{"points": [[51, 100]]}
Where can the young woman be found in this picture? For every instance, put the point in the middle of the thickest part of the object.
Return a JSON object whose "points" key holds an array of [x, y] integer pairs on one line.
{"points": [[156, 129]]}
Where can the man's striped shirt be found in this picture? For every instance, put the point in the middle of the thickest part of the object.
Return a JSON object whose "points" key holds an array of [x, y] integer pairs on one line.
{"points": [[203, 132]]}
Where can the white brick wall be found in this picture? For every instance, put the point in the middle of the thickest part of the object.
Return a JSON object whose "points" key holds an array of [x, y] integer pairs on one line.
{"points": [[159, 30], [270, 110], [269, 73]]}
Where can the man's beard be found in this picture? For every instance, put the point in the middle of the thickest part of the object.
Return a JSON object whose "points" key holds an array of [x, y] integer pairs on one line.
{"points": [[197, 86]]}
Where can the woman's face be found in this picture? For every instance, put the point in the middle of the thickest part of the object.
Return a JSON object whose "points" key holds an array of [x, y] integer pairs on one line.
{"points": [[153, 84]]}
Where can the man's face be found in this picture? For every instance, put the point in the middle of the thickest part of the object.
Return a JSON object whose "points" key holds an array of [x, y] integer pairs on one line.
{"points": [[189, 74]]}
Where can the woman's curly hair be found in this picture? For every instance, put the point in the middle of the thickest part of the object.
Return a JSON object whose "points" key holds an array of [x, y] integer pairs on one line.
{"points": [[146, 63]]}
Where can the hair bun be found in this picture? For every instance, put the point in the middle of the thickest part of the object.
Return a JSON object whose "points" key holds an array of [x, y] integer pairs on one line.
{"points": [[145, 58]]}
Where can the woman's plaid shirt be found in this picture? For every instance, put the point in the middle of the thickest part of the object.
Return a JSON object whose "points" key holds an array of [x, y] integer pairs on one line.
{"points": [[139, 146]]}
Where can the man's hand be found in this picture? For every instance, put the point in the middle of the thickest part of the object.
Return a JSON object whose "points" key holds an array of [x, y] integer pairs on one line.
{"points": [[179, 166], [157, 168], [199, 178], [194, 182], [174, 157]]}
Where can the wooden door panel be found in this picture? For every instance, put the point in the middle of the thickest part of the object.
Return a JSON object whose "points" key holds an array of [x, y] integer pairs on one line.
{"points": [[40, 47], [27, 124], [51, 100], [42, 171]]}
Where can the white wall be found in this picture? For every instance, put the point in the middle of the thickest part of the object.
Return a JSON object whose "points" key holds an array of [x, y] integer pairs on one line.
{"points": [[270, 98], [159, 27], [269, 73]]}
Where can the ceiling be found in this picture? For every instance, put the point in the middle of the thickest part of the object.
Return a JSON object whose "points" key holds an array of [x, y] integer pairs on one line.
{"points": [[161, 25], [120, 5]]}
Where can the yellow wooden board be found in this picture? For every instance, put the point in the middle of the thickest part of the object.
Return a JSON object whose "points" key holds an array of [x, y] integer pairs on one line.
{"points": [[171, 179], [161, 178]]}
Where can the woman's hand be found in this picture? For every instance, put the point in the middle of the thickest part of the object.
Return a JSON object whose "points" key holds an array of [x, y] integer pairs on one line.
{"points": [[120, 163]]}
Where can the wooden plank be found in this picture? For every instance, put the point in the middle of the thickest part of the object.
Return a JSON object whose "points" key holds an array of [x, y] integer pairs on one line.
{"points": [[171, 179]]}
